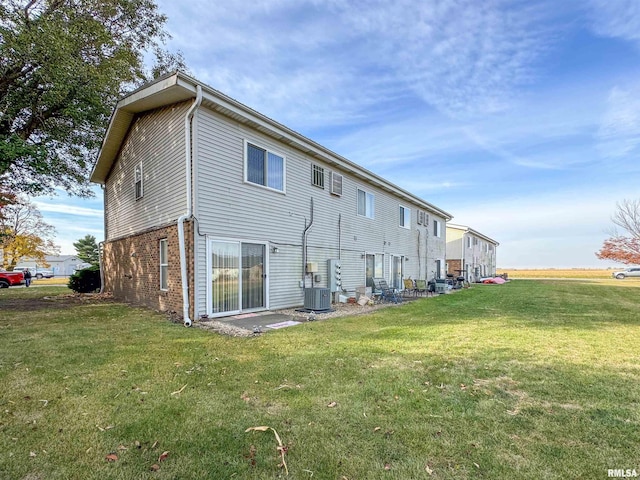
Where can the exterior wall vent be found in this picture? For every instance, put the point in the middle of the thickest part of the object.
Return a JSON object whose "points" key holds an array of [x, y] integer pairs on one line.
{"points": [[317, 299], [336, 184]]}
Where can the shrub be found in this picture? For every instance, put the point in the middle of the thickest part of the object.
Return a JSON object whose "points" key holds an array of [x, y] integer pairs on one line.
{"points": [[85, 280]]}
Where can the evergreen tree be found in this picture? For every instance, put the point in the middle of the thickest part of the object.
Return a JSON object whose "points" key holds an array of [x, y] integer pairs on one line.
{"points": [[87, 249]]}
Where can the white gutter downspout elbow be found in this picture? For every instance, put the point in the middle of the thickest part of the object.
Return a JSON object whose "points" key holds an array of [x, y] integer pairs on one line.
{"points": [[188, 134]]}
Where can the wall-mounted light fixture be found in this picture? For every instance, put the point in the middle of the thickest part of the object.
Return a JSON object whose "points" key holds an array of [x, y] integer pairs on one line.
{"points": [[275, 249]]}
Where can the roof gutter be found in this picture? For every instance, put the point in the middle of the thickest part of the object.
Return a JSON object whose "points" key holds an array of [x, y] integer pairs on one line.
{"points": [[188, 134]]}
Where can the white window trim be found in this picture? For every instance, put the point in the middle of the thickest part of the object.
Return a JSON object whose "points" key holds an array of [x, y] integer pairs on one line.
{"points": [[407, 221], [438, 229], [239, 241], [402, 258], [321, 171], [373, 204], [135, 181], [164, 240], [268, 150], [375, 262]]}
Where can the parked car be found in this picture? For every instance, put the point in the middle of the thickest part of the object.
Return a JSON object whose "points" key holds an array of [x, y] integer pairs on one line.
{"points": [[36, 272], [627, 272], [11, 279], [44, 274]]}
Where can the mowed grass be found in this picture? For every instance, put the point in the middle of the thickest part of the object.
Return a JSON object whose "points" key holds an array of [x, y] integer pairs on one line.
{"points": [[524, 380]]}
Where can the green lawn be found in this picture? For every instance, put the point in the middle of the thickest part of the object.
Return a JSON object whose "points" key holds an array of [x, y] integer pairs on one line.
{"points": [[520, 381]]}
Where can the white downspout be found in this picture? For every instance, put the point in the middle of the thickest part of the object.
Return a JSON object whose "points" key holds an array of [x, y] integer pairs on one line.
{"points": [[183, 253], [101, 264]]}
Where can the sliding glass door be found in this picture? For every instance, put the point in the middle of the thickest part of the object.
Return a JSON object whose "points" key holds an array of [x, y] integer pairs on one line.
{"points": [[253, 276], [237, 277]]}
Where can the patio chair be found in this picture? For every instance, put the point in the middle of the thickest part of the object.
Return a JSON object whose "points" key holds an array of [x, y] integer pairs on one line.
{"points": [[409, 288], [386, 294], [421, 287]]}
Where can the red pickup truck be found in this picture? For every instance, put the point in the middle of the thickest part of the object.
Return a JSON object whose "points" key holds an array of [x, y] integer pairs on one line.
{"points": [[11, 279]]}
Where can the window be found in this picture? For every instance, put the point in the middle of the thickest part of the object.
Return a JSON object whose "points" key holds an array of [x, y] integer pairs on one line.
{"points": [[164, 265], [405, 217], [138, 181], [374, 264], [438, 268], [436, 228], [365, 204], [468, 242], [317, 176], [264, 168]]}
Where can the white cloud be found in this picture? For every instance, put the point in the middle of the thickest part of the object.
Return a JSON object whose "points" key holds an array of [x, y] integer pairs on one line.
{"points": [[619, 133], [616, 19], [333, 59], [562, 229], [66, 209]]}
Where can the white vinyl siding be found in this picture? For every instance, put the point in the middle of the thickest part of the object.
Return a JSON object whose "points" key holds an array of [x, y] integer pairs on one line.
{"points": [[155, 139], [227, 207]]}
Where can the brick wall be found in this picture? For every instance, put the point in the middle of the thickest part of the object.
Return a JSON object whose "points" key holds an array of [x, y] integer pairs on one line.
{"points": [[132, 269], [453, 266]]}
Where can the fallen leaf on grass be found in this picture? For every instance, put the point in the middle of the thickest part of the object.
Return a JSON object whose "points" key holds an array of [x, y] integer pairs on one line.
{"points": [[33, 454], [155, 467], [387, 466], [377, 429], [428, 469], [245, 396], [280, 448], [155, 444], [163, 456], [112, 457], [332, 404], [179, 391]]}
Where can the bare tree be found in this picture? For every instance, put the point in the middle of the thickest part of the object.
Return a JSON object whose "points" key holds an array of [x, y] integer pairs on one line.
{"points": [[619, 247], [627, 216]]}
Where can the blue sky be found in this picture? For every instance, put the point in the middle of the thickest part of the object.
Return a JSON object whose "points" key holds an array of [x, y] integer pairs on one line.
{"points": [[521, 118]]}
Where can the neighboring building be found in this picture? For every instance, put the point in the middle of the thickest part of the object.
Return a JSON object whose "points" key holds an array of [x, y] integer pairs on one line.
{"points": [[60, 265], [470, 253], [212, 208]]}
